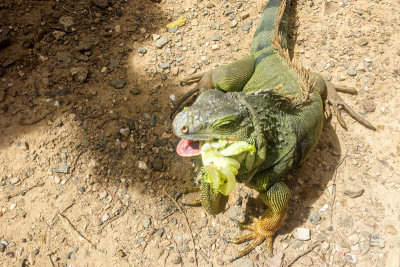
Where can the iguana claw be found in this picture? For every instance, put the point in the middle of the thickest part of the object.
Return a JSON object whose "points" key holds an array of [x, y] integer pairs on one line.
{"points": [[335, 103]]}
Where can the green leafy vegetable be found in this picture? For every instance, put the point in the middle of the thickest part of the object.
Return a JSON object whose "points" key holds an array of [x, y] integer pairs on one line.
{"points": [[221, 161]]}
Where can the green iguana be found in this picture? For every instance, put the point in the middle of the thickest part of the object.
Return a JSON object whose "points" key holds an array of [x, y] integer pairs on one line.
{"points": [[271, 103]]}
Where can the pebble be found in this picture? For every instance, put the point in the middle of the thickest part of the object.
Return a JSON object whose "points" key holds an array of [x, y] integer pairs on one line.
{"points": [[363, 42], [391, 229], [66, 21], [364, 247], [177, 260], [246, 27], [325, 246], [81, 189], [125, 131], [105, 217], [85, 45], [153, 120], [58, 35], [80, 74], [61, 169], [100, 3], [351, 258], [244, 15], [142, 50], [158, 164], [229, 11], [376, 241], [353, 239], [142, 165], [2, 247], [369, 105], [216, 37], [117, 83], [215, 47], [354, 193], [64, 59], [303, 234], [314, 217], [233, 23], [134, 91], [164, 65], [14, 180], [160, 232], [324, 207], [161, 42], [243, 262], [351, 72]]}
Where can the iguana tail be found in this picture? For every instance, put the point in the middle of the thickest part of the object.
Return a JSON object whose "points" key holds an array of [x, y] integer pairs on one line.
{"points": [[272, 26]]}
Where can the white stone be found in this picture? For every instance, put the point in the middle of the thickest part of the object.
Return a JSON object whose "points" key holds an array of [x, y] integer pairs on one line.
{"points": [[303, 234], [324, 207]]}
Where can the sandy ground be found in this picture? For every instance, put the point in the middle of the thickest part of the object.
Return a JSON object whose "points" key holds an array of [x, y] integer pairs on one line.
{"points": [[87, 157]]}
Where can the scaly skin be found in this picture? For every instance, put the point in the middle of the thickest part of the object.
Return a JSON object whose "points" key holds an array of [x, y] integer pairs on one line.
{"points": [[270, 102]]}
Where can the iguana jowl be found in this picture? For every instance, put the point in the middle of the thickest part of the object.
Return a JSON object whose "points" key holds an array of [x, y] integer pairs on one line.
{"points": [[267, 100]]}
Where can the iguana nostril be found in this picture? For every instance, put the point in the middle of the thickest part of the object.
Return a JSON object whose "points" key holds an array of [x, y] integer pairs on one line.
{"points": [[185, 129]]}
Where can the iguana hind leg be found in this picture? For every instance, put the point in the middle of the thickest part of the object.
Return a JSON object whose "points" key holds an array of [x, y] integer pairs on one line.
{"points": [[277, 199], [335, 103]]}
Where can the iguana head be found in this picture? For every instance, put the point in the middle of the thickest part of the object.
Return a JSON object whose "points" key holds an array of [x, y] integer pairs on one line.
{"points": [[214, 115]]}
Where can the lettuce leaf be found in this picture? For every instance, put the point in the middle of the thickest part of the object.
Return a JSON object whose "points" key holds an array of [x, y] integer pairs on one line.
{"points": [[221, 161]]}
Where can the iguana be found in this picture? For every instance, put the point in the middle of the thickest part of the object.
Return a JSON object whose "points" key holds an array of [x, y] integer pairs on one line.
{"points": [[269, 101]]}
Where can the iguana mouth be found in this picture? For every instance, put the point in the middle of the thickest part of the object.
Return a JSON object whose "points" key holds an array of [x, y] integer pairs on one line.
{"points": [[188, 148]]}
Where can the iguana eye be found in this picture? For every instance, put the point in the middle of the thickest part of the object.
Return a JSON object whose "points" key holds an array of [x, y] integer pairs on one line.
{"points": [[224, 124]]}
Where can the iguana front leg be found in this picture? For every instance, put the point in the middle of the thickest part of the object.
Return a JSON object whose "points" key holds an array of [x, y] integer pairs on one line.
{"points": [[277, 199], [333, 101]]}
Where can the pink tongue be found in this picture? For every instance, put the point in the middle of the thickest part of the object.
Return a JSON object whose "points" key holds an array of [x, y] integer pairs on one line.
{"points": [[188, 148]]}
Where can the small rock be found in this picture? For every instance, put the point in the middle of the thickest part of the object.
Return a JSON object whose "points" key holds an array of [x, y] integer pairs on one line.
{"points": [[216, 37], [158, 164], [81, 189], [142, 50], [354, 193], [153, 120], [325, 246], [369, 105], [80, 74], [160, 232], [177, 260], [66, 21], [303, 234], [363, 42], [85, 45], [61, 169], [351, 72], [233, 23], [161, 42], [215, 47], [314, 217], [14, 180], [244, 15], [58, 34], [324, 208], [2, 247], [146, 222], [134, 91], [164, 65], [64, 59], [117, 83], [364, 247], [376, 241], [391, 229], [351, 258], [100, 3], [142, 165], [105, 217], [229, 11], [125, 132], [353, 239], [246, 27]]}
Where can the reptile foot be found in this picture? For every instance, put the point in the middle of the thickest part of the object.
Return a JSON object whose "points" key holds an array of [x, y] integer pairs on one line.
{"points": [[258, 235], [335, 103]]}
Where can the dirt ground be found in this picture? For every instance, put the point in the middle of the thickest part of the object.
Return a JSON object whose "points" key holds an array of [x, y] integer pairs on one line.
{"points": [[87, 157]]}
